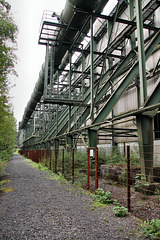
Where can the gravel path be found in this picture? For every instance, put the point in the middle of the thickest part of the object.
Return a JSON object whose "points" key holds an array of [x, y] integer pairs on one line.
{"points": [[39, 208]]}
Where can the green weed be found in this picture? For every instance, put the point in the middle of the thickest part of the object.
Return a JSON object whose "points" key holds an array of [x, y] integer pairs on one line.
{"points": [[120, 211], [103, 196]]}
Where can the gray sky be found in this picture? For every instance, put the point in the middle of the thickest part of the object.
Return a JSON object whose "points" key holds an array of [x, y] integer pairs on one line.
{"points": [[28, 15]]}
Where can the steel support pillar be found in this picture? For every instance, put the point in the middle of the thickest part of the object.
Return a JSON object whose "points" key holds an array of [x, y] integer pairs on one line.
{"points": [[144, 123], [46, 70], [141, 52], [56, 144], [69, 141], [131, 14], [92, 70], [145, 135], [70, 79], [110, 64], [83, 81], [48, 145], [92, 138]]}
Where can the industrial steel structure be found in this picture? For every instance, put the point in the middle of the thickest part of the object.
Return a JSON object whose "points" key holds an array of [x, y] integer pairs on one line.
{"points": [[100, 81]]}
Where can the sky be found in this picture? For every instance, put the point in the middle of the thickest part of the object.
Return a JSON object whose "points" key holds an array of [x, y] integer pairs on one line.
{"points": [[27, 15]]}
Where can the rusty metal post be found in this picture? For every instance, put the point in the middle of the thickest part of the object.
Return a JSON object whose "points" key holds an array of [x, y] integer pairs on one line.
{"points": [[63, 161], [96, 168], [128, 179], [88, 153], [55, 167], [72, 165]]}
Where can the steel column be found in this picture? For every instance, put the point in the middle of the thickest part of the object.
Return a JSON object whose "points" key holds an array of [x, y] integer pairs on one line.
{"points": [[70, 79], [46, 70], [92, 70], [131, 14], [141, 51], [92, 138], [145, 136]]}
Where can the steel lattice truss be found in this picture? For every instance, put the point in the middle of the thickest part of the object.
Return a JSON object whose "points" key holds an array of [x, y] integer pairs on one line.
{"points": [[94, 78]]}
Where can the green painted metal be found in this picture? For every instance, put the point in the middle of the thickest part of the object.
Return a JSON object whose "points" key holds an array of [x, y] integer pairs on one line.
{"points": [[131, 14], [92, 71], [56, 144], [145, 135], [46, 70], [92, 138], [69, 141], [141, 52]]}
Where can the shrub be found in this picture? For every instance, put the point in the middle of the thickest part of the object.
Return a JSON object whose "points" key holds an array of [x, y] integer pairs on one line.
{"points": [[120, 211], [103, 196]]}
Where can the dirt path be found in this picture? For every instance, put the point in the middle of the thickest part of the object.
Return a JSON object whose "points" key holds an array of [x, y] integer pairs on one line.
{"points": [[39, 208]]}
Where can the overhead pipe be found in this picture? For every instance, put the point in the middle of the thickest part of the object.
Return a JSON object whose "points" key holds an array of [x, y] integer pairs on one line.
{"points": [[78, 19]]}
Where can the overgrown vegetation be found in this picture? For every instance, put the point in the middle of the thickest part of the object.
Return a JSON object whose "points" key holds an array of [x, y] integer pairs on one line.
{"points": [[103, 198], [151, 229], [141, 183], [8, 33]]}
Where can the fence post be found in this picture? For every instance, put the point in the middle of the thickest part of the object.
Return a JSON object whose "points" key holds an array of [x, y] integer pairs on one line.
{"points": [[128, 179], [73, 165], [88, 153], [96, 168]]}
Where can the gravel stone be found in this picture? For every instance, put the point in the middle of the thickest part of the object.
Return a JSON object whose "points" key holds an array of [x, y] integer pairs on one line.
{"points": [[39, 208]]}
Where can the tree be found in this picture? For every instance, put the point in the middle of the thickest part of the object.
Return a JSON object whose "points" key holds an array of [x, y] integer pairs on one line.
{"points": [[8, 34]]}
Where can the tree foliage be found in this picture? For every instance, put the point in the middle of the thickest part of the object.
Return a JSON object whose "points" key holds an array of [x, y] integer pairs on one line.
{"points": [[8, 34]]}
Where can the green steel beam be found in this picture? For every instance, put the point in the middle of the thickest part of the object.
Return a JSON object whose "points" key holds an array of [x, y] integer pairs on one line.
{"points": [[141, 52], [62, 101]]}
